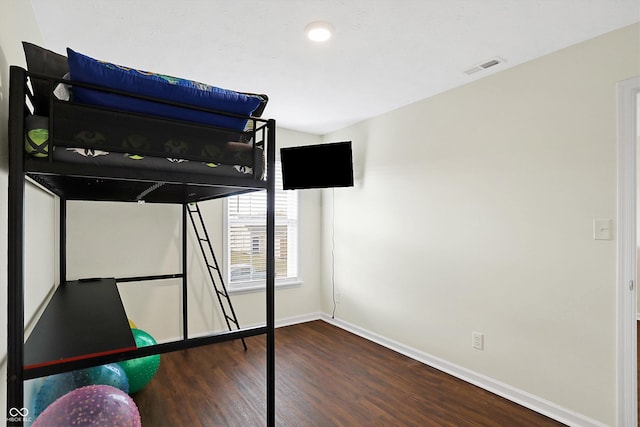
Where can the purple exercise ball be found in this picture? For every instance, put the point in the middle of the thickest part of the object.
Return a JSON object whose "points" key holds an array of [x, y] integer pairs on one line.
{"points": [[90, 406]]}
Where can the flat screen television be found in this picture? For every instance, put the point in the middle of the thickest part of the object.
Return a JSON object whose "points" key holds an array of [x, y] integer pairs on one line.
{"points": [[317, 166]]}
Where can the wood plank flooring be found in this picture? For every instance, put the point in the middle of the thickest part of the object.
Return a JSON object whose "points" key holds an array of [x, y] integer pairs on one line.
{"points": [[325, 377]]}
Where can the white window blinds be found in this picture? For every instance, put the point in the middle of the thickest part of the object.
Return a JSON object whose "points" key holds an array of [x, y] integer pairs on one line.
{"points": [[247, 232]]}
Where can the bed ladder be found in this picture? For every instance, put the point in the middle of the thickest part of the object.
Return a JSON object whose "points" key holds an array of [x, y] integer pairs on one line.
{"points": [[212, 266]]}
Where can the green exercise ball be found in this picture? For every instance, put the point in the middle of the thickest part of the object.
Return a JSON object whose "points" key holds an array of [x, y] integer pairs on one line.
{"points": [[141, 370]]}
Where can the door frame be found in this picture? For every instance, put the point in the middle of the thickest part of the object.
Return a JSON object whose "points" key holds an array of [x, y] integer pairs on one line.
{"points": [[626, 293]]}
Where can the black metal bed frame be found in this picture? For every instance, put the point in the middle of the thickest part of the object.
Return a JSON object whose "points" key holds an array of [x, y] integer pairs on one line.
{"points": [[182, 188]]}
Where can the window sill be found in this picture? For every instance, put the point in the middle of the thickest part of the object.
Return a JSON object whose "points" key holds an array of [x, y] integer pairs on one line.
{"points": [[260, 285]]}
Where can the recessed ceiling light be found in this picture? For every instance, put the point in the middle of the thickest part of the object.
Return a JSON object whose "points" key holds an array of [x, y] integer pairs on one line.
{"points": [[319, 31]]}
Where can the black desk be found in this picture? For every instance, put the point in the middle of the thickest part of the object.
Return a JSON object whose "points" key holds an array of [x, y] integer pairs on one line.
{"points": [[83, 319]]}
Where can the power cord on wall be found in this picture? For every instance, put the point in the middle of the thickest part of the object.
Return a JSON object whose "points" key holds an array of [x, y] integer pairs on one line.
{"points": [[333, 247]]}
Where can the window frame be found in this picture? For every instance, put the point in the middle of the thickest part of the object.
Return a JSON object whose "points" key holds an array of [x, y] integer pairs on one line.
{"points": [[259, 284]]}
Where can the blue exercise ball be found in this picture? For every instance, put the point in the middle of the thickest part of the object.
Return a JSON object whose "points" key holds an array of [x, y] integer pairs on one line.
{"points": [[58, 385]]}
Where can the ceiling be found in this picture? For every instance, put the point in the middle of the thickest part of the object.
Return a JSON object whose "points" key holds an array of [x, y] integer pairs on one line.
{"points": [[384, 53]]}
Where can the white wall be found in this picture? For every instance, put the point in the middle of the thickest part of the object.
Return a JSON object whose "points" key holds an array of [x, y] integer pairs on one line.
{"points": [[17, 23], [473, 211], [126, 239]]}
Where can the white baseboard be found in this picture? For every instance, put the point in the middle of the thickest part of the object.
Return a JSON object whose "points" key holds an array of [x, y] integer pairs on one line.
{"points": [[513, 394], [287, 321], [298, 319]]}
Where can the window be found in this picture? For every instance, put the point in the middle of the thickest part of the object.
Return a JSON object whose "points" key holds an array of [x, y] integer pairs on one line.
{"points": [[246, 245]]}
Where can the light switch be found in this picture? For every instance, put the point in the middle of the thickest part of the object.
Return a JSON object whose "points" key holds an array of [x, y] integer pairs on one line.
{"points": [[601, 229]]}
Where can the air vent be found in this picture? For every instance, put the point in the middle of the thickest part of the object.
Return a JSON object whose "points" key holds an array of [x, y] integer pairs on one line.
{"points": [[489, 64], [484, 65]]}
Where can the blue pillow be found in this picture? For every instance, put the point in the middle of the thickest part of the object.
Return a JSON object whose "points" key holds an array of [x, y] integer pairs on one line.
{"points": [[85, 69]]}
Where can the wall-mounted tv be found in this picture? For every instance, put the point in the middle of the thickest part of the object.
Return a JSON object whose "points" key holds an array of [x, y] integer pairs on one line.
{"points": [[317, 166]]}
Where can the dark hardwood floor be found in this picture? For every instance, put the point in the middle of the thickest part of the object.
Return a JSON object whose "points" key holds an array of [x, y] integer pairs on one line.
{"points": [[325, 376]]}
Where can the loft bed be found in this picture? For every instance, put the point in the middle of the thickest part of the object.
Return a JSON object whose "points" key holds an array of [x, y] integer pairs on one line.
{"points": [[80, 148]]}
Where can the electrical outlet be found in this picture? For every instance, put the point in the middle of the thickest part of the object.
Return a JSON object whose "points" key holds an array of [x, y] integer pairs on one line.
{"points": [[477, 340]]}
